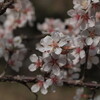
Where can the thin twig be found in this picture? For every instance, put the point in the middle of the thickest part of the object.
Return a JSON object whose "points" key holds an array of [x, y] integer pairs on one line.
{"points": [[23, 79], [20, 79], [86, 63]]}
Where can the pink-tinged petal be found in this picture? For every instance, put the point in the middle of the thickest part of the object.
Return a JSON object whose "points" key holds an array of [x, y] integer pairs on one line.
{"points": [[47, 59], [89, 41], [17, 40], [85, 33], [44, 91], [40, 48], [32, 67], [82, 54], [95, 60], [62, 60], [55, 36], [84, 25], [92, 52], [46, 41], [75, 61], [35, 88], [55, 56], [46, 68], [47, 83], [33, 58], [15, 56], [96, 1], [56, 70], [79, 91], [89, 65], [91, 23], [45, 54], [62, 42], [96, 41], [77, 6], [58, 51], [71, 13], [40, 77]]}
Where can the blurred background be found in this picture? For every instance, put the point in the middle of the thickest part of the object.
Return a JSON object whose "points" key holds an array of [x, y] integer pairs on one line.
{"points": [[51, 8], [14, 91]]}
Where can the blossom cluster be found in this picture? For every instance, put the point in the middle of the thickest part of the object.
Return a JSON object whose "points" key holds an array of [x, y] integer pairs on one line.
{"points": [[11, 47], [68, 46]]}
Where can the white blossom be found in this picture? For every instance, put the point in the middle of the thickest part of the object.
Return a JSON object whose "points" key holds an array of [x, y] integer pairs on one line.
{"points": [[36, 62]]}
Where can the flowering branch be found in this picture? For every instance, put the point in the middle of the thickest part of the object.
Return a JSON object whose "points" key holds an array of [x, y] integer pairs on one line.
{"points": [[83, 84], [25, 80], [20, 79], [65, 46]]}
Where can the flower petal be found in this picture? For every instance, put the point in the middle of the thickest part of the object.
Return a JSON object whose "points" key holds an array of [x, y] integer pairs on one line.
{"points": [[58, 50], [35, 88], [44, 91], [32, 67], [56, 70], [47, 83], [33, 58], [89, 41], [95, 60], [82, 54]]}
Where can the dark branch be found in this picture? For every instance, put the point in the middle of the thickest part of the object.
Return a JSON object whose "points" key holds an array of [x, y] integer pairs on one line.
{"points": [[19, 79], [83, 84], [23, 79]]}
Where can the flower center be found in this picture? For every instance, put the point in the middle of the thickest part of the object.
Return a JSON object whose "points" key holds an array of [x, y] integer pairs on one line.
{"points": [[54, 61], [77, 16], [38, 63], [10, 41], [85, 17], [40, 83], [54, 44], [54, 79], [78, 50], [11, 62], [92, 33]]}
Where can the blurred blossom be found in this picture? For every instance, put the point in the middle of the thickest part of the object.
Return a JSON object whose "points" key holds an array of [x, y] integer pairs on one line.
{"points": [[12, 48], [79, 93]]}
